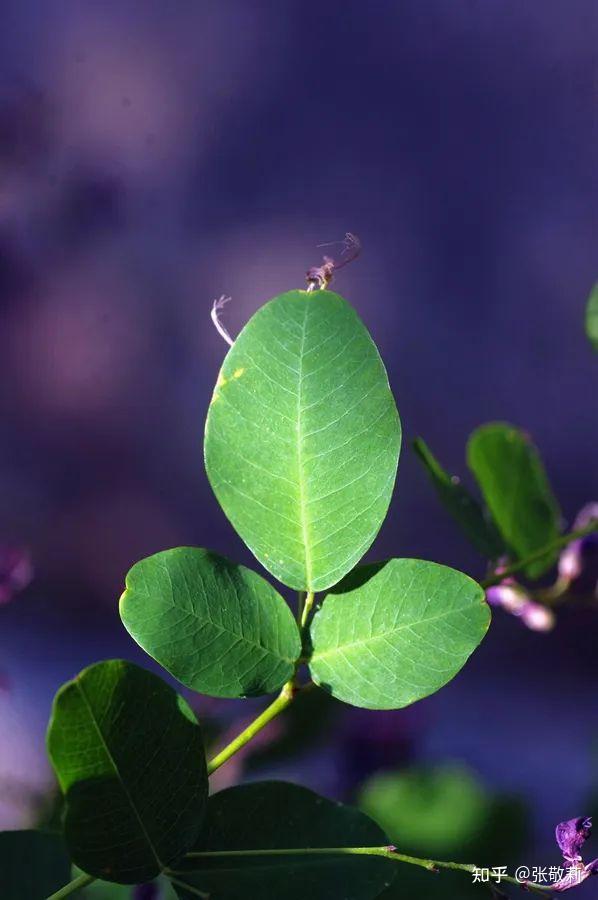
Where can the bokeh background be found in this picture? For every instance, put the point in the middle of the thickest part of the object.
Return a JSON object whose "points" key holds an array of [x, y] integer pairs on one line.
{"points": [[154, 155]]}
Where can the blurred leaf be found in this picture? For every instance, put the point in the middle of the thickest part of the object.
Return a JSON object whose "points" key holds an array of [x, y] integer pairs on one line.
{"points": [[33, 864], [219, 628], [446, 813], [464, 508], [437, 811], [510, 473], [592, 317], [129, 756], [276, 815], [395, 632], [303, 438]]}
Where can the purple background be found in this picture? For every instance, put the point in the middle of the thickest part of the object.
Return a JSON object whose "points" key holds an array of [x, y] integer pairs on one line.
{"points": [[155, 155]]}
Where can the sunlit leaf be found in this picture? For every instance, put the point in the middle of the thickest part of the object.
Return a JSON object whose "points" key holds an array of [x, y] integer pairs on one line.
{"points": [[220, 628], [511, 475], [303, 438], [276, 815], [395, 632], [464, 508], [128, 754], [33, 865]]}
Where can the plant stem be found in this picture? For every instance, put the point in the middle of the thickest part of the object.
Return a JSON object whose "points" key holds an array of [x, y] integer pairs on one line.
{"points": [[70, 888], [286, 696], [554, 593], [189, 888], [282, 701], [559, 543], [300, 605], [307, 607], [432, 865]]}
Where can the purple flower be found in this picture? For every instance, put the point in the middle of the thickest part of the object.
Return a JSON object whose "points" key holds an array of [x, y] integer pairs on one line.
{"points": [[16, 572], [571, 836], [575, 557], [146, 891], [511, 597]]}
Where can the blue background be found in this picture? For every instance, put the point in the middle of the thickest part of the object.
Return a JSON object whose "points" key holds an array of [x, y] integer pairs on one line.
{"points": [[156, 155]]}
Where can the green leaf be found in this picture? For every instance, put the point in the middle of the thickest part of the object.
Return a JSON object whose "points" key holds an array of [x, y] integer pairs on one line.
{"points": [[33, 865], [510, 473], [129, 756], [395, 632], [219, 628], [464, 508], [592, 317], [276, 815], [303, 438]]}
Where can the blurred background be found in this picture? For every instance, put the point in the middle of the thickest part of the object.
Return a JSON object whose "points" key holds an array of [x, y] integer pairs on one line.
{"points": [[155, 155]]}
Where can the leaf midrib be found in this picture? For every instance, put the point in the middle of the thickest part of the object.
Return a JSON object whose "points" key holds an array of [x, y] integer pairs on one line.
{"points": [[300, 474], [382, 636], [118, 775]]}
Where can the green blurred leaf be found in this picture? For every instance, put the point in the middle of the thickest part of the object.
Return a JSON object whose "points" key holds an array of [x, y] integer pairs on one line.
{"points": [[511, 475], [303, 438], [439, 812], [464, 508], [129, 756], [446, 813], [395, 632], [219, 628], [33, 864], [277, 815], [592, 317]]}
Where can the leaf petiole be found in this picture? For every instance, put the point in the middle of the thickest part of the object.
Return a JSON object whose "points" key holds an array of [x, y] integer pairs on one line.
{"points": [[283, 700], [432, 865], [75, 885]]}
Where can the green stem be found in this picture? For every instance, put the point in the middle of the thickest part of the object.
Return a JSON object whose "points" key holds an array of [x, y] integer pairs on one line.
{"points": [[70, 888], [188, 887], [554, 593], [282, 701], [432, 865], [300, 606], [307, 608], [558, 544], [286, 696]]}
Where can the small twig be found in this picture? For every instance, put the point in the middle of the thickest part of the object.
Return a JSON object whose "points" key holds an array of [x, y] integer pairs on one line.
{"points": [[388, 852]]}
